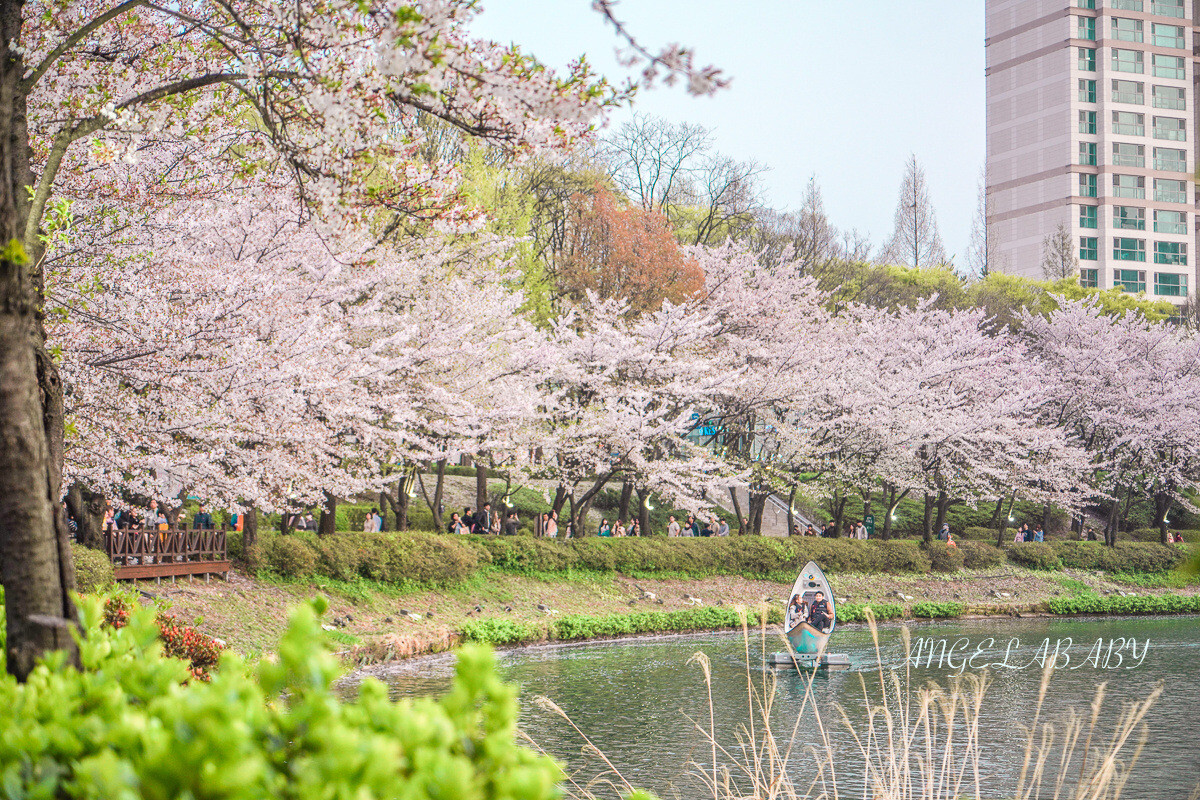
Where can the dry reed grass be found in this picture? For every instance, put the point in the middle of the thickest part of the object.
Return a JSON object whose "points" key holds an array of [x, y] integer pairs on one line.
{"points": [[918, 742]]}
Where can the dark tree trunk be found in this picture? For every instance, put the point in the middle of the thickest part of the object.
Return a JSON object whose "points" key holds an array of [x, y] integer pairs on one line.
{"points": [[737, 510], [328, 524], [435, 503], [1046, 509], [1003, 523], [249, 529], [644, 511], [560, 497], [403, 497], [866, 506], [893, 497], [927, 520], [623, 506], [36, 568], [839, 510], [996, 514], [481, 479], [943, 503], [758, 502], [1162, 507], [1114, 516], [87, 509], [284, 528], [384, 499]]}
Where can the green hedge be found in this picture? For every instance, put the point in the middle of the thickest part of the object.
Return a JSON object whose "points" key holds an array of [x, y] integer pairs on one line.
{"points": [[1153, 535], [93, 569], [943, 557], [1149, 604], [1034, 555], [443, 560], [857, 612], [130, 725], [1122, 557], [980, 555], [930, 610]]}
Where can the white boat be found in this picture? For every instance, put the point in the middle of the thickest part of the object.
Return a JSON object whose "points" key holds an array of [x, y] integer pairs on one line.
{"points": [[805, 639]]}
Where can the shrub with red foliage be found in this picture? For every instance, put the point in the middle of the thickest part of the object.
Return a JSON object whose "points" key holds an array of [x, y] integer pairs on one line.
{"points": [[179, 641]]}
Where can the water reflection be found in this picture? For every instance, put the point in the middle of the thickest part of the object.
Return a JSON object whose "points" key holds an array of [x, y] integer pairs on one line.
{"points": [[640, 701]]}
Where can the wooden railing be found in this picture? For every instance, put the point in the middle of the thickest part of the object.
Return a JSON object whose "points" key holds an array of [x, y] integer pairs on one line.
{"points": [[160, 554]]}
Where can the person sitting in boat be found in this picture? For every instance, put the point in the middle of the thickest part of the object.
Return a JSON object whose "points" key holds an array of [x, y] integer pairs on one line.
{"points": [[797, 612], [818, 619]]}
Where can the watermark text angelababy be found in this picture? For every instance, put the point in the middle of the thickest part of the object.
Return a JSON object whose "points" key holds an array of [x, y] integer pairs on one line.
{"points": [[962, 654]]}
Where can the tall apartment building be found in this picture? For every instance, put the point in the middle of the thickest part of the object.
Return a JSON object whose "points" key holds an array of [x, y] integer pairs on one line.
{"points": [[1091, 123]]}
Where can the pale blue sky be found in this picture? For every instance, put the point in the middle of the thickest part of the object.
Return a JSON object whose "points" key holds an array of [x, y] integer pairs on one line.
{"points": [[845, 89]]}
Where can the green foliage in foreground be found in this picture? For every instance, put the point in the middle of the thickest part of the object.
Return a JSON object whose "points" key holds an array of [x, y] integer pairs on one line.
{"points": [[129, 725], [1148, 604]]}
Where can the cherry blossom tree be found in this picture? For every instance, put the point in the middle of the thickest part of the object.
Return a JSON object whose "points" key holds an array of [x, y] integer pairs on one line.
{"points": [[1124, 389]]}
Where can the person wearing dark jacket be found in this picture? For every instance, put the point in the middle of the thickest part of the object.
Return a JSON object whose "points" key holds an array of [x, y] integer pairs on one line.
{"points": [[202, 521], [818, 613], [482, 521]]}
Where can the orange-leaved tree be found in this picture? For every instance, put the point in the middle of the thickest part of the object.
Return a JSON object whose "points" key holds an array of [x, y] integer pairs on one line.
{"points": [[618, 249]]}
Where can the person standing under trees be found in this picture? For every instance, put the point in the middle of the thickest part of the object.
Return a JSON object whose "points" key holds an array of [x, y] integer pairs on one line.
{"points": [[723, 528], [552, 525], [456, 524], [605, 528], [482, 520], [672, 526], [512, 524], [203, 521], [861, 531], [635, 528]]}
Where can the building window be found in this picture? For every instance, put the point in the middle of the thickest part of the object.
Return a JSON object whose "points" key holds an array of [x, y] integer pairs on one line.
{"points": [[1127, 5], [1088, 4], [1167, 8], [1169, 97], [1133, 186], [1086, 29], [1170, 222], [1129, 250], [1174, 253], [1128, 123], [1125, 30], [1167, 67], [1129, 218], [1123, 92], [1087, 154], [1088, 217], [1088, 249], [1170, 285], [1169, 159], [1087, 185], [1087, 90], [1087, 59], [1167, 191], [1087, 121], [1089, 278], [1167, 36], [1170, 128], [1129, 280], [1128, 155], [1127, 61]]}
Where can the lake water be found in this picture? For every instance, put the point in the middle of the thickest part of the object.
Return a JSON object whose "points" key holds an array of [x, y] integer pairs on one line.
{"points": [[635, 699]]}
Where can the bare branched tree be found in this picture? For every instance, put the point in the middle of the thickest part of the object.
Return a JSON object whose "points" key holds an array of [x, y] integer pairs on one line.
{"points": [[1058, 255], [982, 256], [915, 240], [675, 168]]}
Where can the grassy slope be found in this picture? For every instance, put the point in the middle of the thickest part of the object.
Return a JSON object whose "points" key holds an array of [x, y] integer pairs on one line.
{"points": [[249, 613]]}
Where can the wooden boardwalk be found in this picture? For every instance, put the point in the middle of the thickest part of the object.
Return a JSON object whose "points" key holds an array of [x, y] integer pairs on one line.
{"points": [[167, 554]]}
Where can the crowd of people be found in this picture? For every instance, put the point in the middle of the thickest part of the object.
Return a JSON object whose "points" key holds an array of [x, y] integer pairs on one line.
{"points": [[853, 530], [154, 518]]}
